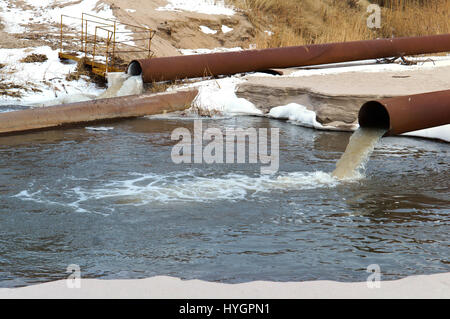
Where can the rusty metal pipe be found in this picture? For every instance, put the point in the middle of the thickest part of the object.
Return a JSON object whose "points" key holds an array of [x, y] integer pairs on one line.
{"points": [[95, 110], [407, 113], [226, 63]]}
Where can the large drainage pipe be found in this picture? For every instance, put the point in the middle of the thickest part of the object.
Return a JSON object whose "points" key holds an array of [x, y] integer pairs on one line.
{"points": [[407, 113], [96, 110], [227, 63]]}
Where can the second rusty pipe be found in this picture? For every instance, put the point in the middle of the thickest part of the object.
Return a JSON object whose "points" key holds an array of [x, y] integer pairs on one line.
{"points": [[407, 113], [227, 63], [95, 110]]}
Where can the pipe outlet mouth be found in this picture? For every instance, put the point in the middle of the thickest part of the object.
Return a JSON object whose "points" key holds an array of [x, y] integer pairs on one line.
{"points": [[374, 114], [134, 68]]}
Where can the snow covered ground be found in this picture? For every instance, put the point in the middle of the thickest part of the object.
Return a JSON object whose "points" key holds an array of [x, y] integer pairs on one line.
{"points": [[17, 16], [373, 66], [200, 6], [41, 81], [205, 51]]}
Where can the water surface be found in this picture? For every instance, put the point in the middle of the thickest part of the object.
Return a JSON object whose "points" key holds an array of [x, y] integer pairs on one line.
{"points": [[113, 202]]}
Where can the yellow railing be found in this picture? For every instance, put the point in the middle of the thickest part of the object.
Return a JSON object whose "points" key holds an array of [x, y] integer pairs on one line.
{"points": [[103, 42]]}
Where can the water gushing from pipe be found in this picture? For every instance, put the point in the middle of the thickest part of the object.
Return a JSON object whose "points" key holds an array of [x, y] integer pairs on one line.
{"points": [[362, 143]]}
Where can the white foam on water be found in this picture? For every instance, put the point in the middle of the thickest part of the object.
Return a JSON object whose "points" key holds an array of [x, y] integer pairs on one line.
{"points": [[150, 188], [39, 197], [122, 84]]}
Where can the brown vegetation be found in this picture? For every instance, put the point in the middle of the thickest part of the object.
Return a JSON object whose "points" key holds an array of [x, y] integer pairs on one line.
{"points": [[12, 89], [34, 58], [297, 22], [83, 70]]}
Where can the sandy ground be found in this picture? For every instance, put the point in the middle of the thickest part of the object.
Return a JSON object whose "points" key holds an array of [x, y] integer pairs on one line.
{"points": [[181, 30], [430, 286]]}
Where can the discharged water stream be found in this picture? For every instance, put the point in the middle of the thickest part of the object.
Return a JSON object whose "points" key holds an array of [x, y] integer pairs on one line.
{"points": [[361, 144]]}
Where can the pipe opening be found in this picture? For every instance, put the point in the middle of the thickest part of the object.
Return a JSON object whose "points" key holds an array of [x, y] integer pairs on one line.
{"points": [[134, 68], [373, 114]]}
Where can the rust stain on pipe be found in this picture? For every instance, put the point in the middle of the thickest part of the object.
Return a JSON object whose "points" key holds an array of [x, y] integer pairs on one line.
{"points": [[95, 110], [227, 63], [407, 113]]}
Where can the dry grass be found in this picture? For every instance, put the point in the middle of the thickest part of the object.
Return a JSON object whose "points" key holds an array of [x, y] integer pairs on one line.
{"points": [[83, 70], [34, 58], [14, 90], [298, 22]]}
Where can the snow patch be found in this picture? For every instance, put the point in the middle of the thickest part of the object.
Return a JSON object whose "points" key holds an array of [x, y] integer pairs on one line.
{"points": [[226, 29], [372, 66], [44, 83], [296, 113], [99, 128], [439, 132], [219, 97], [207, 30], [206, 51], [200, 6]]}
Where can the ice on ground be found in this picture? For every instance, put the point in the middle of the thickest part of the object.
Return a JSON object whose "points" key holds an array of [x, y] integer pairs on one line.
{"points": [[42, 82], [439, 132], [207, 30], [206, 51], [226, 29], [218, 97], [199, 6], [16, 16], [372, 66], [297, 114], [99, 128]]}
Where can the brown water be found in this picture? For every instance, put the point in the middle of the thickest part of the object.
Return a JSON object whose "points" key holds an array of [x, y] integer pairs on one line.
{"points": [[361, 144]]}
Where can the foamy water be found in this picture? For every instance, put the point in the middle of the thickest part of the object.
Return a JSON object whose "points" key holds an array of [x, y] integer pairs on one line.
{"points": [[145, 189], [121, 84], [361, 144]]}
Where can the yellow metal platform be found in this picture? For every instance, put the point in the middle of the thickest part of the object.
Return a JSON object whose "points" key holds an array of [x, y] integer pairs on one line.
{"points": [[100, 43]]}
